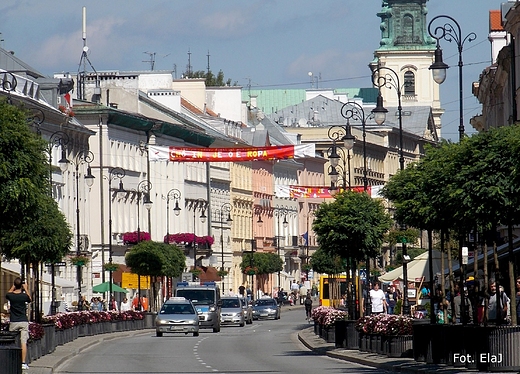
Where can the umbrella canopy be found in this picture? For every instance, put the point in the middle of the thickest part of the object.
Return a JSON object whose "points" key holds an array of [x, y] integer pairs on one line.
{"points": [[105, 287], [417, 268]]}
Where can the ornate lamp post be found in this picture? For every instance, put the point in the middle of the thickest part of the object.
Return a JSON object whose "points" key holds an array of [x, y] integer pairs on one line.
{"points": [[83, 157], [383, 76], [449, 32], [173, 194], [143, 189], [279, 212], [58, 139], [113, 174], [202, 217], [252, 251], [226, 207], [335, 134]]}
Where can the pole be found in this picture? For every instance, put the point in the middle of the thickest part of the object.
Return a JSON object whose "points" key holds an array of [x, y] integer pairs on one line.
{"points": [[113, 173], [222, 247], [138, 241]]}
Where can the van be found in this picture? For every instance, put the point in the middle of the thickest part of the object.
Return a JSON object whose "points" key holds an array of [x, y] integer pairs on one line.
{"points": [[206, 299]]}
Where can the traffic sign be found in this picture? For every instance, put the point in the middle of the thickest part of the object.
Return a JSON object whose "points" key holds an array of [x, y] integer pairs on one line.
{"points": [[56, 264]]}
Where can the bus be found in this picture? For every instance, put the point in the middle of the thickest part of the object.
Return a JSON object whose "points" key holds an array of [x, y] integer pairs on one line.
{"points": [[331, 289]]}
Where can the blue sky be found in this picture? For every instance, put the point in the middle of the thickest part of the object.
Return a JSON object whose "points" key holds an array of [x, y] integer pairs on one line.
{"points": [[270, 43]]}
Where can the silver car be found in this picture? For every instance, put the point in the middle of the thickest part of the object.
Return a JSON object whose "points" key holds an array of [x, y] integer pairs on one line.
{"points": [[177, 315], [235, 312], [266, 308]]}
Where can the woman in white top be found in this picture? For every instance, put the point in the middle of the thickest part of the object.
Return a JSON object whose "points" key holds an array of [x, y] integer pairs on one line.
{"points": [[125, 305]]}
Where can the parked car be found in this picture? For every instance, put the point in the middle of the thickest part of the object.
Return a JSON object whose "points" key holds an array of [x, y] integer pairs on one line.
{"points": [[234, 310], [266, 308], [177, 315]]}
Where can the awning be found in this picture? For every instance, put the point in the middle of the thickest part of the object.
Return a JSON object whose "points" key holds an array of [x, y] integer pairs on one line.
{"points": [[59, 282]]}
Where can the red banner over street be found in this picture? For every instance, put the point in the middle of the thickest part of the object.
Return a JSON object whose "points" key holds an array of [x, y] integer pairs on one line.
{"points": [[189, 154]]}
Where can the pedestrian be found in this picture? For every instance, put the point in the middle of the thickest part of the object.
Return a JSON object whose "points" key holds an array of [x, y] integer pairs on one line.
{"points": [[457, 302], [231, 293], [377, 299], [18, 297], [391, 299], [308, 307], [242, 291], [113, 304], [492, 304], [303, 293], [125, 305]]}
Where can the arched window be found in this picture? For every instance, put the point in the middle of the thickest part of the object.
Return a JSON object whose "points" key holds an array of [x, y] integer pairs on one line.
{"points": [[409, 83]]}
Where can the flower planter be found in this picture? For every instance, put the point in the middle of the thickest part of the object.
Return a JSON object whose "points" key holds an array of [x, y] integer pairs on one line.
{"points": [[504, 341], [340, 331], [399, 346], [364, 341], [352, 337], [60, 337], [49, 339], [82, 330], [316, 328], [330, 334], [34, 350]]}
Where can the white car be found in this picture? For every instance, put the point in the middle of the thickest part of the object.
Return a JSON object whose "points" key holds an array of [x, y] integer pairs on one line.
{"points": [[177, 315]]}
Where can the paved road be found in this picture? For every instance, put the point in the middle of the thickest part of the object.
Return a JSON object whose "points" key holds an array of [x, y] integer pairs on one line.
{"points": [[264, 347]]}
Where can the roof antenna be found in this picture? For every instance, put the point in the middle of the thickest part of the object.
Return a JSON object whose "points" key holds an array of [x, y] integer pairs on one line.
{"points": [[151, 60], [208, 61], [82, 75], [189, 63]]}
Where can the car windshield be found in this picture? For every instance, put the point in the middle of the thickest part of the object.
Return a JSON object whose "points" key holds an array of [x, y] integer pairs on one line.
{"points": [[198, 297], [230, 303], [177, 309], [264, 302]]}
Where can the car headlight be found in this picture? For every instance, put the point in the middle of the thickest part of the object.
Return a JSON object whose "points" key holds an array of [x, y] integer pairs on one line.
{"points": [[212, 308]]}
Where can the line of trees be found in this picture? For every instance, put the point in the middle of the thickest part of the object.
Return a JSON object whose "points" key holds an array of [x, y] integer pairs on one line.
{"points": [[458, 188]]}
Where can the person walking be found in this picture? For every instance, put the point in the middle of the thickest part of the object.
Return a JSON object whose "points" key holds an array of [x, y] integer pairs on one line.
{"points": [[377, 299], [308, 307], [503, 301], [18, 297]]}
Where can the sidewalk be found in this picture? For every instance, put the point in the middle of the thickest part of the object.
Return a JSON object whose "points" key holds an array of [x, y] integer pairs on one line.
{"points": [[48, 363], [400, 365]]}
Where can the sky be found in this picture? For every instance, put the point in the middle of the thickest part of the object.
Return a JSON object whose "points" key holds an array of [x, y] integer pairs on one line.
{"points": [[262, 43]]}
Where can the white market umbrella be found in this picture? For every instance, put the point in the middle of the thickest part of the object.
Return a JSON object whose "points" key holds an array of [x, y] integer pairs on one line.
{"points": [[417, 268]]}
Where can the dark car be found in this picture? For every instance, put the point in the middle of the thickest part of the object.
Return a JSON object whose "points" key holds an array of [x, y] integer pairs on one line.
{"points": [[266, 308]]}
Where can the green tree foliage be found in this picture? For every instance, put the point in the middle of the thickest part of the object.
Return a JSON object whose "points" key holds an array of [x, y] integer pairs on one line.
{"points": [[43, 236], [324, 263], [353, 226], [156, 259], [211, 79], [33, 229], [23, 168], [266, 263]]}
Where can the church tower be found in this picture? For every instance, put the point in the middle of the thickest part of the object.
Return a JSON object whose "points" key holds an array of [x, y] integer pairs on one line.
{"points": [[408, 50]]}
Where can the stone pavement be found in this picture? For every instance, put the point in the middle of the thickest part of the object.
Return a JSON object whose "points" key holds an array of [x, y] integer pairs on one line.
{"points": [[399, 365]]}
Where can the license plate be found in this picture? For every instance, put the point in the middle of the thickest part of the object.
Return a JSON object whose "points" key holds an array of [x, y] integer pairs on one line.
{"points": [[176, 328], [264, 314]]}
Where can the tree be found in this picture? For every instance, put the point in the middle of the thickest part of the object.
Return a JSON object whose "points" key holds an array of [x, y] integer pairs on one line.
{"points": [[264, 262], [211, 79], [23, 169], [353, 226]]}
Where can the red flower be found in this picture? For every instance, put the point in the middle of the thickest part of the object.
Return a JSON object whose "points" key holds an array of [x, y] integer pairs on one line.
{"points": [[131, 237]]}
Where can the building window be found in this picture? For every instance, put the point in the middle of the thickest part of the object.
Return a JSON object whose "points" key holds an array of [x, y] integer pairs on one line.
{"points": [[409, 83]]}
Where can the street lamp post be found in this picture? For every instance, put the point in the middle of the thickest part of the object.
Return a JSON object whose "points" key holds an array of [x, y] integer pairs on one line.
{"points": [[202, 217], [113, 174], [335, 134], [354, 111], [58, 139], [449, 32], [143, 188], [83, 157], [226, 207], [173, 194], [383, 76], [279, 212]]}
